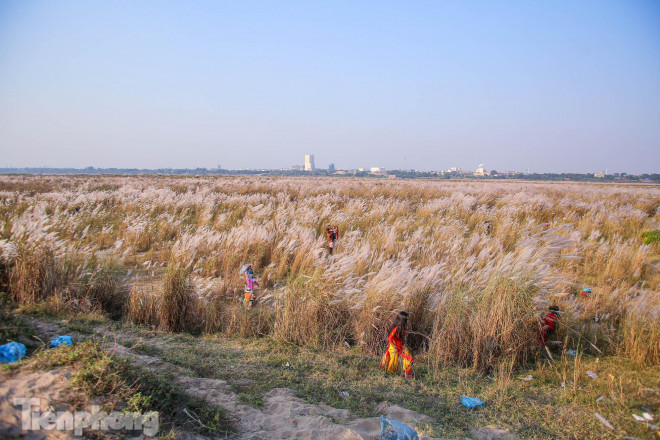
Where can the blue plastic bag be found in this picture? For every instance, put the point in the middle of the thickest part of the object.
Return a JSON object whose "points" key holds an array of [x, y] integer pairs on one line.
{"points": [[11, 352], [393, 430], [61, 340], [471, 402]]}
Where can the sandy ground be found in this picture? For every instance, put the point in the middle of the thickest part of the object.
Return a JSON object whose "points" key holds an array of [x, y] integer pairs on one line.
{"points": [[282, 416], [50, 386]]}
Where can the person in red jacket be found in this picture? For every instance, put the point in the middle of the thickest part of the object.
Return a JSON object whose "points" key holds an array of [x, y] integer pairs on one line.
{"points": [[548, 323], [332, 233], [396, 348]]}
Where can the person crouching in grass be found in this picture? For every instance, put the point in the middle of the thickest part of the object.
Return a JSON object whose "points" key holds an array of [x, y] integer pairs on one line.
{"points": [[397, 352], [547, 325]]}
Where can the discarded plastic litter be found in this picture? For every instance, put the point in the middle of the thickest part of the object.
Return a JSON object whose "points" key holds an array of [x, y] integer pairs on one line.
{"points": [[600, 399], [604, 421], [393, 430], [571, 352], [527, 378], [11, 352], [471, 402], [639, 418], [344, 394], [61, 340], [591, 374], [647, 416]]}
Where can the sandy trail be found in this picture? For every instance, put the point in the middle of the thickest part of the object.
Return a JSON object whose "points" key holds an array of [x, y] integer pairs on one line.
{"points": [[282, 416]]}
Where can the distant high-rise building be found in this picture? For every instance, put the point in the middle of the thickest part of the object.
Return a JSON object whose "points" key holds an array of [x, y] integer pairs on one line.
{"points": [[331, 168], [309, 162]]}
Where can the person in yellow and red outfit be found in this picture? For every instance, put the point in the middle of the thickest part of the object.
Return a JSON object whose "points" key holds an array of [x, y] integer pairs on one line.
{"points": [[397, 349]]}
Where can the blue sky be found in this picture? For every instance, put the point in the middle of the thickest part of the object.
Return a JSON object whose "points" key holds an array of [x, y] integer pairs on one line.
{"points": [[554, 86]]}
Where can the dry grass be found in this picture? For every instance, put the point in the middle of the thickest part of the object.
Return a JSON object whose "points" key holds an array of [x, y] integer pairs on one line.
{"points": [[34, 275], [304, 315], [41, 281], [480, 329], [177, 303], [415, 245], [641, 339], [144, 302]]}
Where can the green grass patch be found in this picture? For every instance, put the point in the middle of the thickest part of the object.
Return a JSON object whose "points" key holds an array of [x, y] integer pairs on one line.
{"points": [[651, 237], [84, 327]]}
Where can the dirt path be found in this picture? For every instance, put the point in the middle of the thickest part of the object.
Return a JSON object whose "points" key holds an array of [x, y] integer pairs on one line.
{"points": [[282, 416]]}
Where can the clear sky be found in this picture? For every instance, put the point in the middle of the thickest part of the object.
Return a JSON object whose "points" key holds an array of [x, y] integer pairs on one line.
{"points": [[565, 86]]}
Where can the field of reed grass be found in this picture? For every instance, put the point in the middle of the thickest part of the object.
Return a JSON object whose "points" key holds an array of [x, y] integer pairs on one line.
{"points": [[166, 252]]}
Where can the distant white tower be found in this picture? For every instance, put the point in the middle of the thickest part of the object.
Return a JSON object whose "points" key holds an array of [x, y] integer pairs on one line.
{"points": [[309, 162]]}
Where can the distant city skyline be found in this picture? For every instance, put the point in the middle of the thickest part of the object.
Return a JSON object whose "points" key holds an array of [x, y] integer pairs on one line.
{"points": [[652, 169], [550, 87], [302, 167], [480, 171]]}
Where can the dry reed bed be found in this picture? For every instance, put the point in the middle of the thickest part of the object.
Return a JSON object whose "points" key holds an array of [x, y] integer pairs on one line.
{"points": [[419, 245]]}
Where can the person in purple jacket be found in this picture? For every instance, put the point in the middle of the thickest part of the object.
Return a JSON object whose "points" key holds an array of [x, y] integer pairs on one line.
{"points": [[250, 284]]}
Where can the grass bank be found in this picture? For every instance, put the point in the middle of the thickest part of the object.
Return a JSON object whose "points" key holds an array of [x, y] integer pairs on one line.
{"points": [[95, 376], [559, 402]]}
